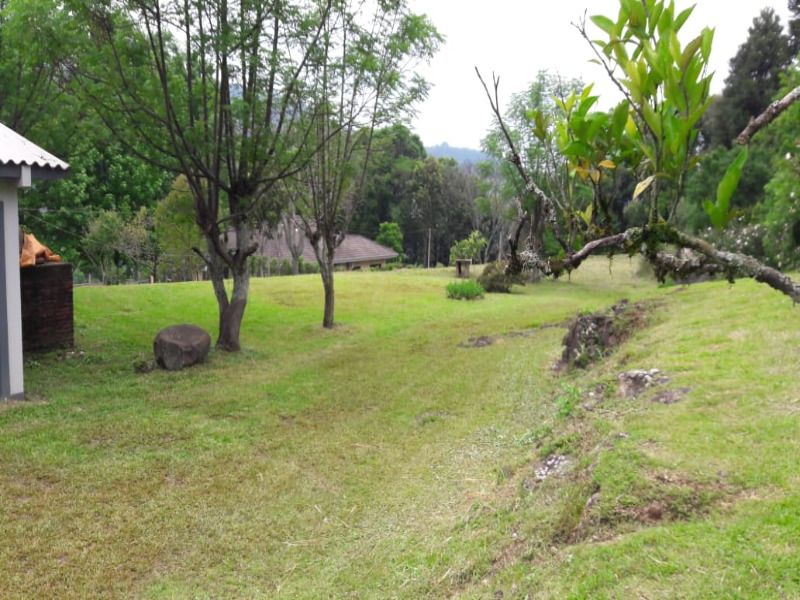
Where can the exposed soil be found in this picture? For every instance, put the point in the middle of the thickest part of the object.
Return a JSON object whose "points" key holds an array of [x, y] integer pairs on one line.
{"points": [[670, 396], [487, 340], [478, 342], [592, 337], [431, 416]]}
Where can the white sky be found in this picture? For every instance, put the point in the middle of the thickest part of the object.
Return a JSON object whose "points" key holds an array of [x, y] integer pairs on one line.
{"points": [[516, 39]]}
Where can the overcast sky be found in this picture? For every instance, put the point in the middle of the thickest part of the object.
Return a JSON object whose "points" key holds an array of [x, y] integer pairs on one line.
{"points": [[516, 39]]}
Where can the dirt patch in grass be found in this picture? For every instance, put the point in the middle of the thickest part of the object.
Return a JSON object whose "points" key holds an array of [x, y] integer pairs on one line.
{"points": [[478, 342], [667, 497], [592, 337], [11, 404], [487, 340], [431, 416], [670, 396]]}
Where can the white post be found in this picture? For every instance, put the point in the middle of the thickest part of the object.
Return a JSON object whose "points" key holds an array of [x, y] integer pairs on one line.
{"points": [[11, 381]]}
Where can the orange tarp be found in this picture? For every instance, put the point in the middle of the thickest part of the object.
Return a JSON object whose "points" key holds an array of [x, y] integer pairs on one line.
{"points": [[33, 252]]}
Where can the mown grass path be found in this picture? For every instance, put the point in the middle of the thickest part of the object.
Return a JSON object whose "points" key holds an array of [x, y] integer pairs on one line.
{"points": [[389, 459]]}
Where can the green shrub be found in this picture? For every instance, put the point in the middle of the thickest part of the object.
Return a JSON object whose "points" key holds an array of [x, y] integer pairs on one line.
{"points": [[494, 278], [307, 267], [465, 290]]}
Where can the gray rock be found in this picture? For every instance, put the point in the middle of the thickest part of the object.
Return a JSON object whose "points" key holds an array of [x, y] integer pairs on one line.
{"points": [[633, 383], [180, 346]]}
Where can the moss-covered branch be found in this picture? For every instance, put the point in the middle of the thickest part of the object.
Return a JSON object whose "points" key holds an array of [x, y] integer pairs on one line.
{"points": [[703, 258]]}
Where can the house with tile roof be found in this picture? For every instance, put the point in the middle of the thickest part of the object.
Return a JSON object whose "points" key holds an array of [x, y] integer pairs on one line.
{"points": [[356, 251]]}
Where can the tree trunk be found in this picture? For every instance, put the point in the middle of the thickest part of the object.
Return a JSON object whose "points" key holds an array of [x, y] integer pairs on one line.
{"points": [[231, 310], [295, 265], [230, 318], [327, 283]]}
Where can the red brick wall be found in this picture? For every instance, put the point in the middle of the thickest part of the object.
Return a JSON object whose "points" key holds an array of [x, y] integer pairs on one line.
{"points": [[47, 307]]}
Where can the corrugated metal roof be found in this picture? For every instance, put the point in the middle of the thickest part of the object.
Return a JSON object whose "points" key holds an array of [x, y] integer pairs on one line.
{"points": [[16, 150]]}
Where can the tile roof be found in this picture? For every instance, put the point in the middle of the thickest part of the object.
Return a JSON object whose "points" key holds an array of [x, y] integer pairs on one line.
{"points": [[357, 248], [15, 150], [354, 248]]}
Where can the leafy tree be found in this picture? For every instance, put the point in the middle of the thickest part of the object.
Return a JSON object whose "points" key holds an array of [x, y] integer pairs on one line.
{"points": [[437, 211], [470, 247], [492, 209], [177, 233], [794, 26], [666, 88], [103, 176], [39, 48], [710, 170], [780, 215], [139, 243], [216, 90], [530, 125], [778, 212], [394, 153], [37, 43], [391, 236], [100, 243]]}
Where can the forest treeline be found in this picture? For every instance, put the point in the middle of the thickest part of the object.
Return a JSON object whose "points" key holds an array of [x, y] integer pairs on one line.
{"points": [[120, 215]]}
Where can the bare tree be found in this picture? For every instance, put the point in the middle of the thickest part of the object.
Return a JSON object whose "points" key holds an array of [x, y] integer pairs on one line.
{"points": [[360, 79]]}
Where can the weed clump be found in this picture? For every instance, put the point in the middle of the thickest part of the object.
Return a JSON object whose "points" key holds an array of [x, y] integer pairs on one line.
{"points": [[465, 290]]}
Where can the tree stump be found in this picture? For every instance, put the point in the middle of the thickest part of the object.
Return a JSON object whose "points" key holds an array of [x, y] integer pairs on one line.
{"points": [[462, 267], [180, 346]]}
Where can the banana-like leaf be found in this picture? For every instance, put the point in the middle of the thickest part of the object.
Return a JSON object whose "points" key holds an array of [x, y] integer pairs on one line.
{"points": [[719, 211], [731, 178]]}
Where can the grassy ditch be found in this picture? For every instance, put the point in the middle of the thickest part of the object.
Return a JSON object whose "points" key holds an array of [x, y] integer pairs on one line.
{"points": [[421, 449]]}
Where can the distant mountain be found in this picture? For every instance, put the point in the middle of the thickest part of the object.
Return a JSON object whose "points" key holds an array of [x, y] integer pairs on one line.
{"points": [[462, 155]]}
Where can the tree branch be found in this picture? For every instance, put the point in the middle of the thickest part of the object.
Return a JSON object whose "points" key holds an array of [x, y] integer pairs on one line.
{"points": [[769, 115], [530, 185], [706, 259]]}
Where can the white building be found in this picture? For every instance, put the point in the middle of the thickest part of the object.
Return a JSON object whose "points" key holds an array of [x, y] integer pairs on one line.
{"points": [[21, 161]]}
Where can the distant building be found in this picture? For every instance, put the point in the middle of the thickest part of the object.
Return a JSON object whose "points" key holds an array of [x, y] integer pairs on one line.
{"points": [[356, 251]]}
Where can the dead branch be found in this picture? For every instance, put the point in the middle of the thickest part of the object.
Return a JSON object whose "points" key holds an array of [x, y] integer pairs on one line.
{"points": [[530, 185], [769, 115]]}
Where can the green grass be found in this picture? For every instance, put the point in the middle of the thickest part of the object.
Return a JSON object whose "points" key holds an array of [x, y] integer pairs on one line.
{"points": [[390, 458]]}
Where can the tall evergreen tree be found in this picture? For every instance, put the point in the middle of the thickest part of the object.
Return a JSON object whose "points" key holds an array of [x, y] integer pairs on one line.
{"points": [[753, 79]]}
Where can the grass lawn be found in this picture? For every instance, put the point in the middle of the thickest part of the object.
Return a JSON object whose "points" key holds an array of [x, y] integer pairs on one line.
{"points": [[392, 457]]}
